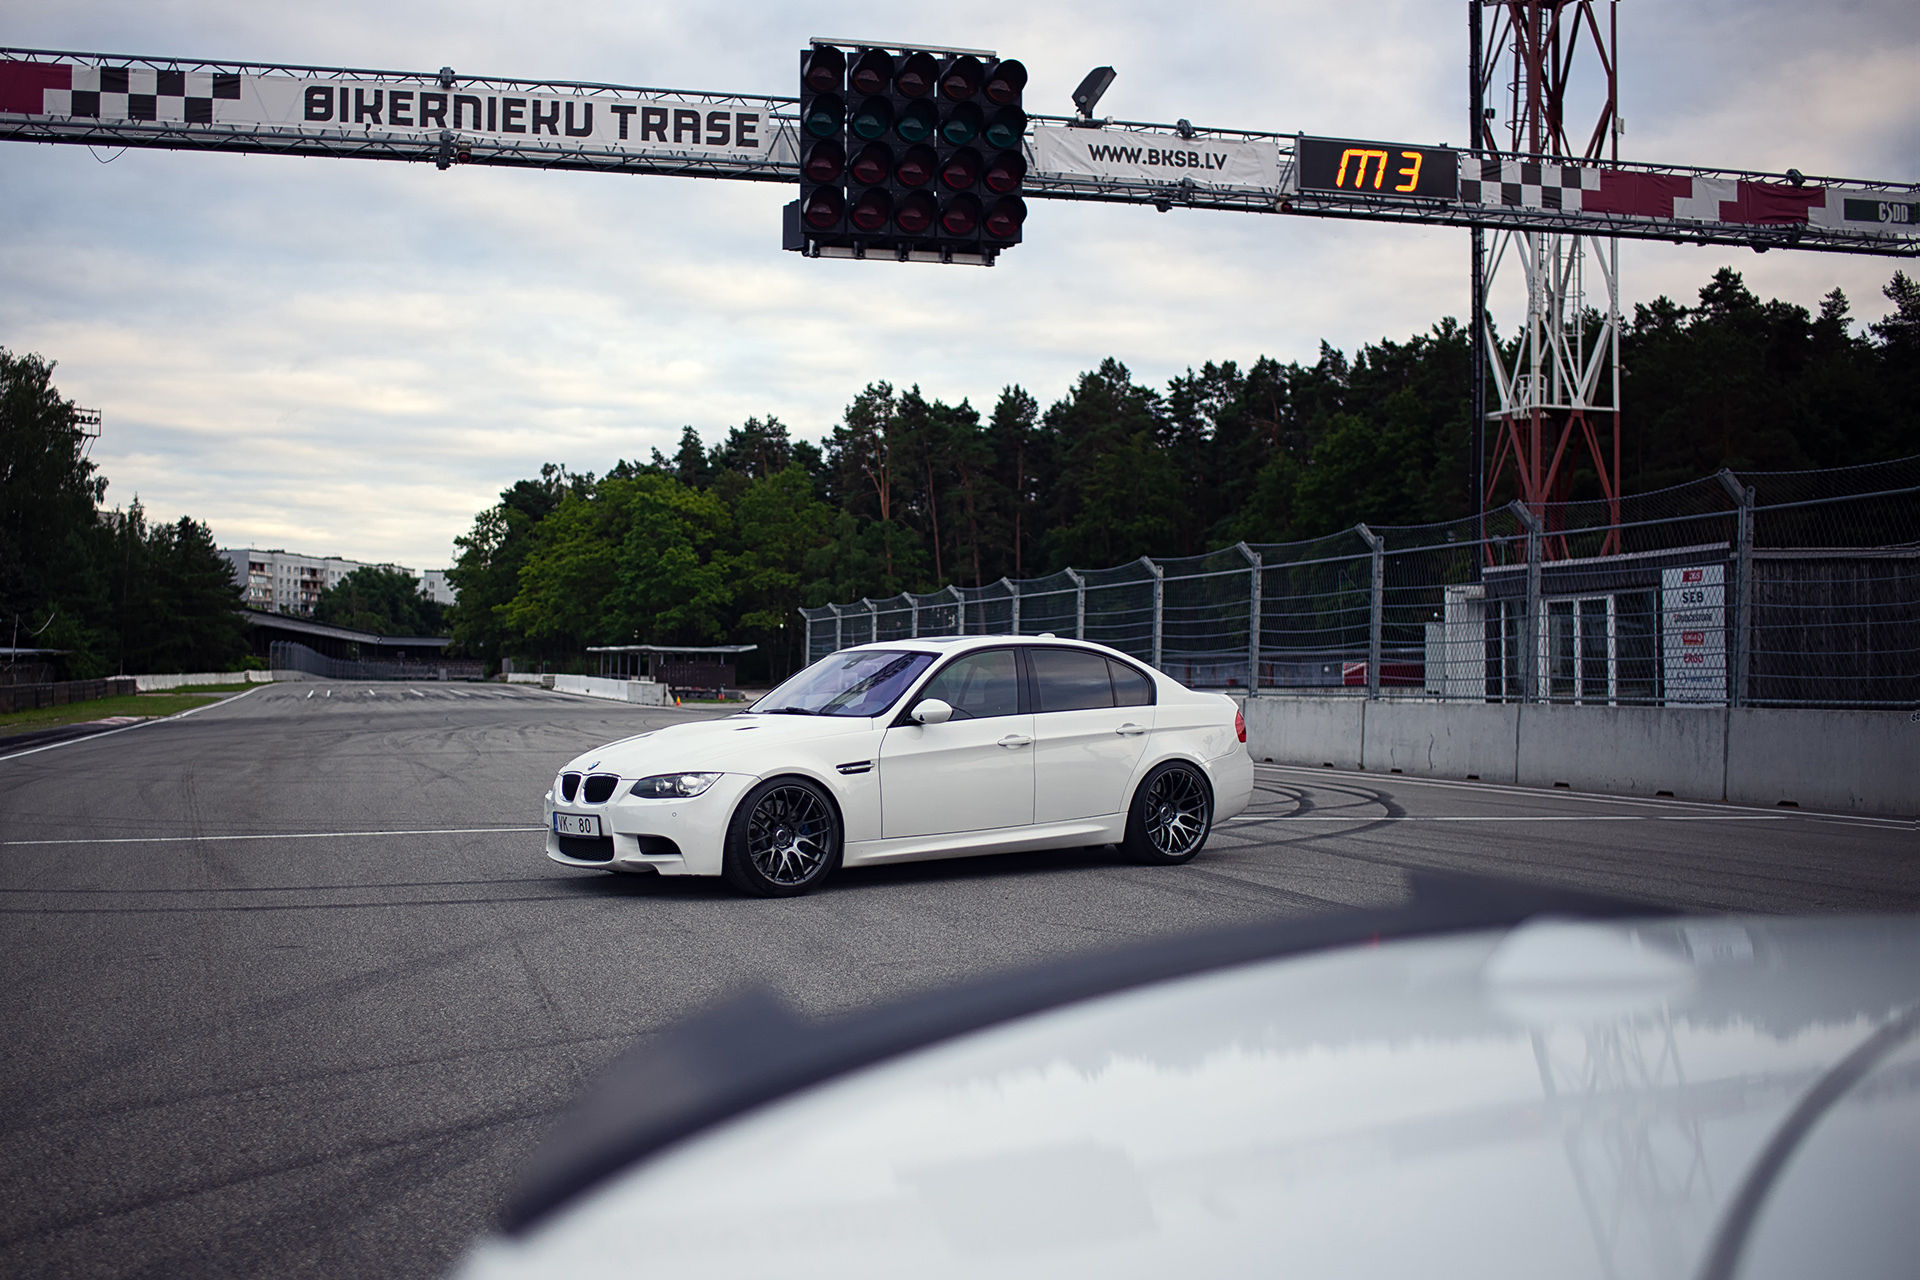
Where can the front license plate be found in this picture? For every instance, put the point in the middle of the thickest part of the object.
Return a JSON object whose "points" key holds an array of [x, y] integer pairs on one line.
{"points": [[576, 824]]}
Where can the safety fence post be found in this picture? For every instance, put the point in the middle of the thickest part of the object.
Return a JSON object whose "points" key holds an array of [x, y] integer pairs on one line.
{"points": [[1079, 605], [959, 608], [1159, 604], [1376, 607], [873, 620], [837, 645], [1253, 620], [1535, 622], [913, 603], [1740, 639], [1013, 588]]}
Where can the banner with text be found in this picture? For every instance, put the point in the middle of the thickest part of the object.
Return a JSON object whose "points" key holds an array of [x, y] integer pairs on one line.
{"points": [[1155, 157], [366, 106]]}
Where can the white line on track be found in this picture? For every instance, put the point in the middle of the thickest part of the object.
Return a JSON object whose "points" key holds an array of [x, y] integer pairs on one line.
{"points": [[95, 737], [280, 835]]}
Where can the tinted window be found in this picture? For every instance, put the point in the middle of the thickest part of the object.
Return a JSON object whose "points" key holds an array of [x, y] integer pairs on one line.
{"points": [[979, 685], [1071, 679], [1131, 686]]}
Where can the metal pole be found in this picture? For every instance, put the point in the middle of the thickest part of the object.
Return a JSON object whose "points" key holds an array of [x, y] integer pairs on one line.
{"points": [[1376, 614], [959, 607], [1477, 360], [873, 620], [1534, 639], [1014, 588], [1740, 634], [838, 644], [913, 603], [1079, 605], [1253, 620], [1159, 605]]}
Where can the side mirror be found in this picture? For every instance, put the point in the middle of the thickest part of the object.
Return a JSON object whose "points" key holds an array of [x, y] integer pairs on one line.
{"points": [[932, 711]]}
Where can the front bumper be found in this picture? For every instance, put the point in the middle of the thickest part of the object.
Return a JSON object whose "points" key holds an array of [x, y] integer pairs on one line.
{"points": [[695, 829]]}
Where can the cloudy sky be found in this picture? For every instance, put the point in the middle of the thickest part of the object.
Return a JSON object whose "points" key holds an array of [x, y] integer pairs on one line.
{"points": [[352, 358]]}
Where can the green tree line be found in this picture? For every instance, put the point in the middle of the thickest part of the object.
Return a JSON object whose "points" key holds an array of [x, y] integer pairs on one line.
{"points": [[908, 492], [115, 593]]}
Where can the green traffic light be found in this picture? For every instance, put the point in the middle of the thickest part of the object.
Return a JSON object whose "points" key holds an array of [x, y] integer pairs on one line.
{"points": [[873, 118], [917, 122], [1008, 127], [824, 116], [963, 126]]}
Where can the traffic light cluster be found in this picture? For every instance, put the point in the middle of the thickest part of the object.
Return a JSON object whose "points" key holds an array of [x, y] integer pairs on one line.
{"points": [[913, 153]]}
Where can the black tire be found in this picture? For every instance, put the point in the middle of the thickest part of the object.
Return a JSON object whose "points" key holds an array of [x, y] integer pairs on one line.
{"points": [[1171, 816], [784, 839]]}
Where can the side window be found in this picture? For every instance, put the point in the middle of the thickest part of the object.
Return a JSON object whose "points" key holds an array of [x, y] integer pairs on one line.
{"points": [[1131, 686], [1070, 679], [979, 685]]}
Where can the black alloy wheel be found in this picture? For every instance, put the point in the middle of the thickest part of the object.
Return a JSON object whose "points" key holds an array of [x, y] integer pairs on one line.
{"points": [[784, 839], [1171, 816]]}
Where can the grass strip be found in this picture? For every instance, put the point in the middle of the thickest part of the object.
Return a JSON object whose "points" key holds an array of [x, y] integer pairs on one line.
{"points": [[139, 704]]}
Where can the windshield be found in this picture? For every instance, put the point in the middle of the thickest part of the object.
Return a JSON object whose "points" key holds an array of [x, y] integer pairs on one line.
{"points": [[862, 683]]}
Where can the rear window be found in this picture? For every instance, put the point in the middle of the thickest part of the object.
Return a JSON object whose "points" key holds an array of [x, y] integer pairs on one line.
{"points": [[1070, 679], [1132, 687]]}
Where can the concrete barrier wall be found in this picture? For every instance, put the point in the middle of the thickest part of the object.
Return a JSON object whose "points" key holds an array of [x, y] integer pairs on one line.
{"points": [[148, 684], [1864, 762], [645, 692]]}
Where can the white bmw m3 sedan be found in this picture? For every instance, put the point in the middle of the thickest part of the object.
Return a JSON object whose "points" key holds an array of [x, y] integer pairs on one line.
{"points": [[908, 750]]}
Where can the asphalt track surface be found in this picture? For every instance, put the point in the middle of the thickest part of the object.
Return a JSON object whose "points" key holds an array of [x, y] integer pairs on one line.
{"points": [[290, 990]]}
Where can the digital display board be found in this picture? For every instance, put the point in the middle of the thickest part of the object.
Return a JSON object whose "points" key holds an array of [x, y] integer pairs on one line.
{"points": [[1379, 169]]}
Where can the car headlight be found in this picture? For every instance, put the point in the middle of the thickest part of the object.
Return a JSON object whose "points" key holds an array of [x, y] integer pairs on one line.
{"points": [[674, 786]]}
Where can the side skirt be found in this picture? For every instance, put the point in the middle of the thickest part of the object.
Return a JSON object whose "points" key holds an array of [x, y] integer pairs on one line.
{"points": [[967, 844]]}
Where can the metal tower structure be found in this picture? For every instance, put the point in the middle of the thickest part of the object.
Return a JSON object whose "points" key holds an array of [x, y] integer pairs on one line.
{"points": [[1556, 378]]}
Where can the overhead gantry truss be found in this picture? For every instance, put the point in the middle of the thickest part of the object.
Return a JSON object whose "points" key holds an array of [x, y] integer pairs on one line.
{"points": [[448, 119]]}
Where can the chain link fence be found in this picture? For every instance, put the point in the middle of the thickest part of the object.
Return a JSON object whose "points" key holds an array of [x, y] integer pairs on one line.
{"points": [[288, 655], [1758, 589]]}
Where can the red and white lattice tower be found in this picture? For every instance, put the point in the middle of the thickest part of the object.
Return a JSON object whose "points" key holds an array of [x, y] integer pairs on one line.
{"points": [[1556, 383]]}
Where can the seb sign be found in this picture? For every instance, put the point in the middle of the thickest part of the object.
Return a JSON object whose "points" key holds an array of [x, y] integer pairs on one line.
{"points": [[1694, 633]]}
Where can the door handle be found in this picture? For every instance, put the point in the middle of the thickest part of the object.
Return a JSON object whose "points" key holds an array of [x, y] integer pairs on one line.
{"points": [[1131, 730], [1016, 740]]}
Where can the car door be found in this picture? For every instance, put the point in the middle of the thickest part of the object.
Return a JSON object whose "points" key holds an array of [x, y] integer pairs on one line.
{"points": [[1088, 737], [972, 773]]}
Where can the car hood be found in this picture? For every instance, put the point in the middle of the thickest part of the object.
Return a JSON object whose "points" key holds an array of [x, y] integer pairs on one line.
{"points": [[1564, 1099], [734, 742]]}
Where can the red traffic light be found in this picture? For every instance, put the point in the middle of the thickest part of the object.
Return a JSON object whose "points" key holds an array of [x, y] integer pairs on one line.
{"points": [[917, 76], [870, 167], [872, 72], [872, 209], [825, 162], [824, 208], [961, 216], [962, 169], [1006, 172], [1005, 218], [1006, 80], [916, 168], [825, 67], [915, 214], [962, 78]]}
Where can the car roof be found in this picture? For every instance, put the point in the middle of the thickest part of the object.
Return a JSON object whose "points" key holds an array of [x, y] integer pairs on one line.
{"points": [[959, 644]]}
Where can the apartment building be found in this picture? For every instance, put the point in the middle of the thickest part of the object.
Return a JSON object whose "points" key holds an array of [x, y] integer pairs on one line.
{"points": [[279, 581]]}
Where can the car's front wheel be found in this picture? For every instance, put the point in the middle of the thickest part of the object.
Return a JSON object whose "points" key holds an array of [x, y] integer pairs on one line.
{"points": [[1171, 816], [784, 839]]}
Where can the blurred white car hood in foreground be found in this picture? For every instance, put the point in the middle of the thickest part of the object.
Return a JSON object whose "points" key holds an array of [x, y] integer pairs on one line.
{"points": [[1564, 1099]]}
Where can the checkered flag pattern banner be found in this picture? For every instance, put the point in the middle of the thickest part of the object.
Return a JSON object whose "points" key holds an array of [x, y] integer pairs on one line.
{"points": [[137, 93], [1518, 184]]}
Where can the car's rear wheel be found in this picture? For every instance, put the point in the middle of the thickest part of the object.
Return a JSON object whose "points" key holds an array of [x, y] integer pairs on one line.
{"points": [[784, 839], [1171, 815]]}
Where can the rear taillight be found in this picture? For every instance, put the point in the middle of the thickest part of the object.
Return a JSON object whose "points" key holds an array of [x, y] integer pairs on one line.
{"points": [[1239, 724]]}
